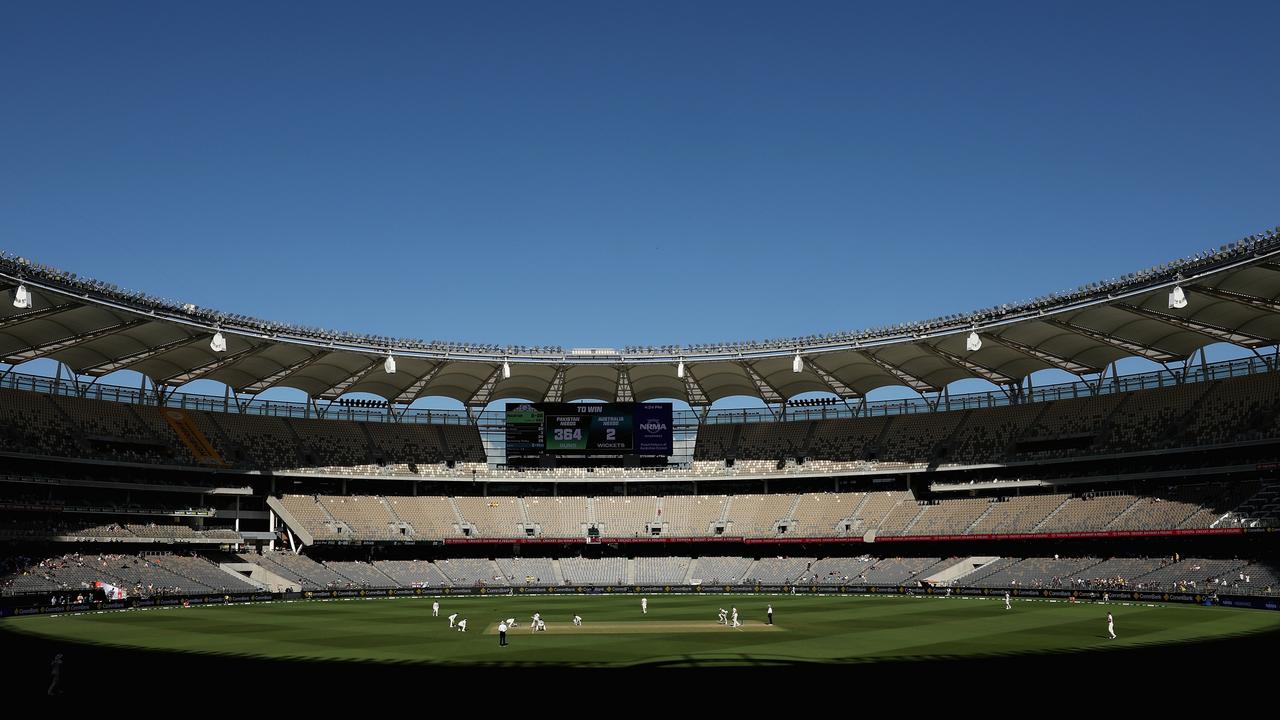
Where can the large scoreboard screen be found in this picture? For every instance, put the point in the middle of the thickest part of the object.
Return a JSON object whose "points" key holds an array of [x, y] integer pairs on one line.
{"points": [[538, 429]]}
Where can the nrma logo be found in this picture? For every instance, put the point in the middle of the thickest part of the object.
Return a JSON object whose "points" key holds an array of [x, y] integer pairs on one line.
{"points": [[653, 426]]}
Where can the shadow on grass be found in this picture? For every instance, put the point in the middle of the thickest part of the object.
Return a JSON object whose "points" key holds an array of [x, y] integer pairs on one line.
{"points": [[91, 672]]}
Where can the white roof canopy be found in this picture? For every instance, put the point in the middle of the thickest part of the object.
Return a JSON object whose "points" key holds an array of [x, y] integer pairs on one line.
{"points": [[95, 329]]}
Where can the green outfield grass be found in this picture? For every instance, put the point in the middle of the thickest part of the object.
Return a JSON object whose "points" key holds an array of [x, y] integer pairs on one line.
{"points": [[678, 630]]}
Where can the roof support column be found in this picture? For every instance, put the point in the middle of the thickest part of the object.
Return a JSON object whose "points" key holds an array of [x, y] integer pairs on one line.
{"points": [[164, 393], [314, 403], [1095, 385], [1266, 360], [81, 390], [932, 403]]}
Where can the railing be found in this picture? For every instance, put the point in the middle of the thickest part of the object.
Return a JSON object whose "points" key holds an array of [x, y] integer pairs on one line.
{"points": [[688, 418]]}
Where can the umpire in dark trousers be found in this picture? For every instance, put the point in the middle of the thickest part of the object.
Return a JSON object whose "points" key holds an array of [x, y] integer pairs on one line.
{"points": [[502, 633], [771, 614]]}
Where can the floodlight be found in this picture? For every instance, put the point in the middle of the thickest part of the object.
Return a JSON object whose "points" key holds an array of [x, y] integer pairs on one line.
{"points": [[390, 364], [973, 342], [1177, 298], [218, 343], [22, 298], [506, 369], [797, 364]]}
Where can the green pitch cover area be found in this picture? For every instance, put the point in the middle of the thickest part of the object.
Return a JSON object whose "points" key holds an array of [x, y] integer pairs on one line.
{"points": [[678, 631]]}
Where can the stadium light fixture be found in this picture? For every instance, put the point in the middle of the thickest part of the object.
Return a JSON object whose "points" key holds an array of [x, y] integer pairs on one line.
{"points": [[506, 370], [973, 342], [389, 364], [218, 343], [797, 364], [22, 298], [1177, 298], [680, 370]]}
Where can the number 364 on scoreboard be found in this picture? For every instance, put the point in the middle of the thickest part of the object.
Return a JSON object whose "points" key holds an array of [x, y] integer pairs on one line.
{"points": [[589, 428]]}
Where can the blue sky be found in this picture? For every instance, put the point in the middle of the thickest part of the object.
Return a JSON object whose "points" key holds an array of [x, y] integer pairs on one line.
{"points": [[609, 173]]}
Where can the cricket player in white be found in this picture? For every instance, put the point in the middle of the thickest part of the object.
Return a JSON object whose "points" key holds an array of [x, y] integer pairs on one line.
{"points": [[577, 619], [435, 609], [724, 617], [533, 626], [511, 623], [462, 625], [644, 605], [1111, 626], [1007, 606], [542, 625], [735, 622], [452, 618]]}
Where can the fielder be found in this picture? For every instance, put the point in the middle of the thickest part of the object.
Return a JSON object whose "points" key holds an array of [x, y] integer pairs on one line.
{"points": [[724, 617], [1111, 626], [644, 606], [452, 618], [1007, 606], [462, 625], [435, 609]]}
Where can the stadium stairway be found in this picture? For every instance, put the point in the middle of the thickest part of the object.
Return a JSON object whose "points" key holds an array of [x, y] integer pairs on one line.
{"points": [[790, 517], [76, 432], [1049, 517], [230, 449], [631, 571], [979, 519], [340, 525], [1108, 423], [1016, 437], [947, 444], [857, 511], [399, 521], [370, 444], [960, 569], [907, 530], [457, 513], [1136, 502], [808, 439], [299, 446], [689, 574], [879, 441], [555, 568]]}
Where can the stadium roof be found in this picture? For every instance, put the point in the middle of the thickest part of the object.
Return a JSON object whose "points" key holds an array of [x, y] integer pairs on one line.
{"points": [[95, 328]]}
